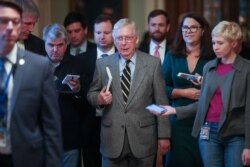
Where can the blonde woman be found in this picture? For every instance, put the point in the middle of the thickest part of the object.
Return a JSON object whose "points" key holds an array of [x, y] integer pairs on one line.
{"points": [[223, 112]]}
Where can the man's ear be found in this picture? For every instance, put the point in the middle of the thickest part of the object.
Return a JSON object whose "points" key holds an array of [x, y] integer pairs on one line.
{"points": [[234, 44], [168, 27], [86, 30], [137, 39]]}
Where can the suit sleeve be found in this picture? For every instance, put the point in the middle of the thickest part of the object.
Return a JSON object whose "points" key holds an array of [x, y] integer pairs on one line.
{"points": [[95, 87], [161, 99], [51, 120]]}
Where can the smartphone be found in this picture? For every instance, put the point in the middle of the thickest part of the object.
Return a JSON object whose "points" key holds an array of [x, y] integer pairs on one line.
{"points": [[189, 77], [156, 109], [69, 77]]}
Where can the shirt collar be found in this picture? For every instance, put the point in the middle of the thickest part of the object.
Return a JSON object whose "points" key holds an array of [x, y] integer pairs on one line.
{"points": [[12, 55], [162, 44], [83, 48], [133, 59], [110, 52]]}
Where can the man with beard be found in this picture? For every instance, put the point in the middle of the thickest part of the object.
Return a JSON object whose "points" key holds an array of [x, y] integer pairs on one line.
{"points": [[158, 27]]}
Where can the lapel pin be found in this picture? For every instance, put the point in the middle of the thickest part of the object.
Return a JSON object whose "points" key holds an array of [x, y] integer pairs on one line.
{"points": [[21, 61]]}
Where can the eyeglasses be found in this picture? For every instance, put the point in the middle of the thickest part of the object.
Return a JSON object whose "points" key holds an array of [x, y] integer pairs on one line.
{"points": [[4, 21], [190, 29], [126, 38]]}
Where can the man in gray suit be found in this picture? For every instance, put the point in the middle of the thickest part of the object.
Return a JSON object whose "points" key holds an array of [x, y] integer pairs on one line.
{"points": [[30, 132], [129, 133]]}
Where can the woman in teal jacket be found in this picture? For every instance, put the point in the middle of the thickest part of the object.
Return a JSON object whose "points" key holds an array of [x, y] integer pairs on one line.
{"points": [[190, 51]]}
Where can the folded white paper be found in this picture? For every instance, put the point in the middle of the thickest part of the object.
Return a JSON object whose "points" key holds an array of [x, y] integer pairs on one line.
{"points": [[110, 78]]}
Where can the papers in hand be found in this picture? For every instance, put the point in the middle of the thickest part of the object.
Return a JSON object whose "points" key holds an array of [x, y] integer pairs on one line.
{"points": [[70, 77], [110, 78], [155, 109]]}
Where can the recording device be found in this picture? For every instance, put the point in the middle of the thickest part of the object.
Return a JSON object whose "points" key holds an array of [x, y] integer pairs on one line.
{"points": [[189, 77], [70, 77], [156, 109]]}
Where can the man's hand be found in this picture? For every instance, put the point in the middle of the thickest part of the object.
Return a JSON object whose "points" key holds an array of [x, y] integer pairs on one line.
{"points": [[246, 157], [164, 145], [104, 97], [74, 85]]}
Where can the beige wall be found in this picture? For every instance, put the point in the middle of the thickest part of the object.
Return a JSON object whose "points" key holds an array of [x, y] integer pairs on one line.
{"points": [[51, 11], [139, 10], [55, 10]]}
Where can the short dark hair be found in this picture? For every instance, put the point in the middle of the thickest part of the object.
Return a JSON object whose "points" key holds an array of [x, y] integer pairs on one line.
{"points": [[73, 17], [11, 4], [158, 12], [104, 18]]}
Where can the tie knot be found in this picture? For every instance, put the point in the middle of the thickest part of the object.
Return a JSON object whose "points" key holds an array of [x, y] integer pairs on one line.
{"points": [[104, 55], [127, 62], [78, 50], [157, 47]]}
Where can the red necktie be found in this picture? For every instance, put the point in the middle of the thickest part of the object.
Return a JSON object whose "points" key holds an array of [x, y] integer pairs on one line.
{"points": [[156, 52]]}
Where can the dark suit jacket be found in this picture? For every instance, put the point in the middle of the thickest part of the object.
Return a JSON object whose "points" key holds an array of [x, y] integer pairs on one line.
{"points": [[35, 122], [143, 128], [77, 113], [35, 45]]}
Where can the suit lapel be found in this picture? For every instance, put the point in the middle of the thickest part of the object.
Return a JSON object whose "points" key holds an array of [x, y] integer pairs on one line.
{"points": [[115, 72], [139, 74], [18, 77]]}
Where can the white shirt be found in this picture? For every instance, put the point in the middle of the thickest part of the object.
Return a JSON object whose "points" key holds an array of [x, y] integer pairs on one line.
{"points": [[161, 50], [100, 53]]}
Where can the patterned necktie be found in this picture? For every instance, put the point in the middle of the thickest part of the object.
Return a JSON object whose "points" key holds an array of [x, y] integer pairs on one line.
{"points": [[3, 89], [78, 51], [156, 52], [104, 55], [125, 81]]}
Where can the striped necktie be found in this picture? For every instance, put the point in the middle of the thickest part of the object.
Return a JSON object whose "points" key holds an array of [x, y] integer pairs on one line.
{"points": [[125, 81]]}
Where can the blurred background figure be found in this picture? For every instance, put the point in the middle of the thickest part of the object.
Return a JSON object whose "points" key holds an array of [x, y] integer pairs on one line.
{"points": [[103, 26], [56, 41], [156, 43], [77, 29], [30, 17], [30, 122]]}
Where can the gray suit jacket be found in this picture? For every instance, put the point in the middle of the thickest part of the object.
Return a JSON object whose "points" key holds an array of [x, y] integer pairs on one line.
{"points": [[235, 116], [143, 128], [35, 122]]}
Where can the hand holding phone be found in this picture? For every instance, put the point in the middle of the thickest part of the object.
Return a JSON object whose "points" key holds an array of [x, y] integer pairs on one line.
{"points": [[190, 77], [156, 109], [69, 77]]}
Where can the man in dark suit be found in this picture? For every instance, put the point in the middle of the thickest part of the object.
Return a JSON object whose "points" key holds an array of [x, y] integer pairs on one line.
{"points": [[158, 27], [27, 40], [77, 29], [129, 133], [72, 93], [30, 129], [103, 26]]}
